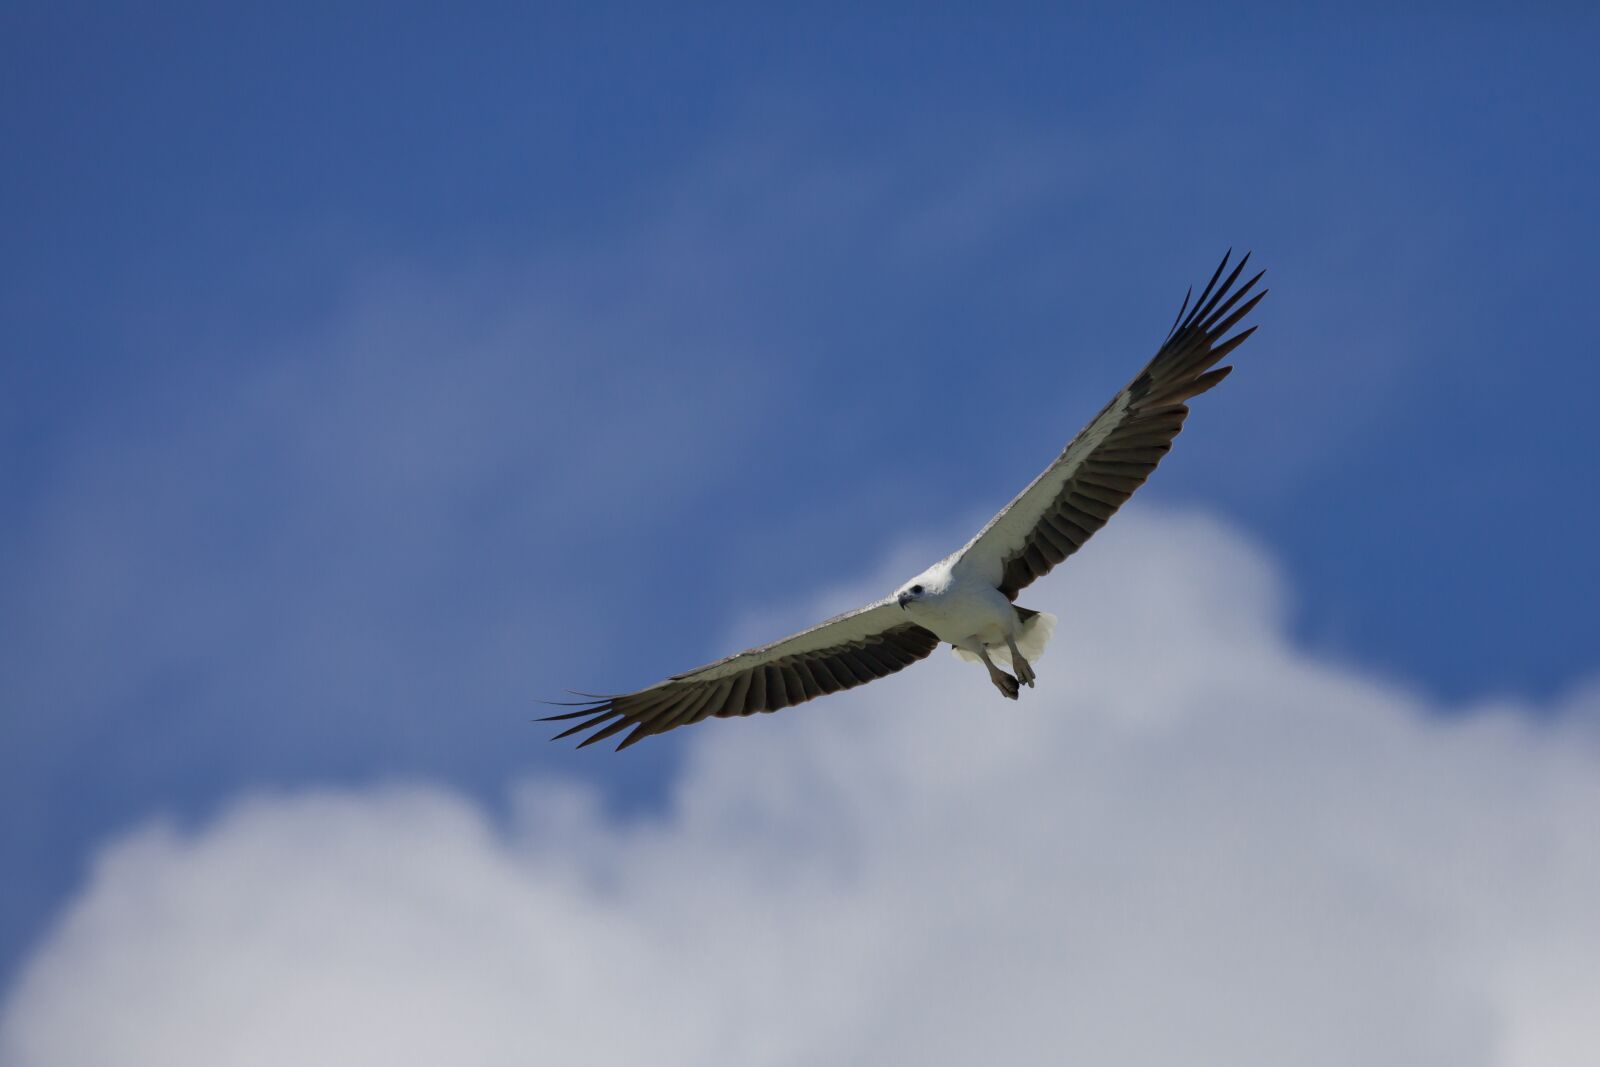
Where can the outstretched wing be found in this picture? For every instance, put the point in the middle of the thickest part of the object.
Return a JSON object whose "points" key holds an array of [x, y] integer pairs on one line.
{"points": [[1115, 453], [846, 651]]}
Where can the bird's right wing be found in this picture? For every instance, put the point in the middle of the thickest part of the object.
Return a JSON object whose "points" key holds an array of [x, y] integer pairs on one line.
{"points": [[848, 650]]}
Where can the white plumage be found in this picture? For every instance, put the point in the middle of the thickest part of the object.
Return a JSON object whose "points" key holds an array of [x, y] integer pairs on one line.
{"points": [[1032, 637]]}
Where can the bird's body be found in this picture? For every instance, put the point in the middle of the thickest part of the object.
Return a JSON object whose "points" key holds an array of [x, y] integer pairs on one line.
{"points": [[961, 609], [966, 600], [961, 605]]}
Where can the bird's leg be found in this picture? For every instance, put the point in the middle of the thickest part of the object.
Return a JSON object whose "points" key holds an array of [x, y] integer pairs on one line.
{"points": [[1023, 668], [1002, 681]]}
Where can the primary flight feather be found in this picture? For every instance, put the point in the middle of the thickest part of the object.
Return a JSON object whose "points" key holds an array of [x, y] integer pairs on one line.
{"points": [[967, 599]]}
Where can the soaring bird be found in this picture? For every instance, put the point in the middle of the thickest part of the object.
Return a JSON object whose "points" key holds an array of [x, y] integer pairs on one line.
{"points": [[967, 599]]}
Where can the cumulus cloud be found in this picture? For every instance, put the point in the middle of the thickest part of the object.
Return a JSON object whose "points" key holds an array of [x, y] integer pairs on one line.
{"points": [[1193, 844]]}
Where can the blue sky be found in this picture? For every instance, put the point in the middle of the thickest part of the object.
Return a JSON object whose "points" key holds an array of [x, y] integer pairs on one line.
{"points": [[366, 375]]}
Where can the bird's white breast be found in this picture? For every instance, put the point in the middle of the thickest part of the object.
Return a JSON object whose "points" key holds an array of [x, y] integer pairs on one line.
{"points": [[967, 613]]}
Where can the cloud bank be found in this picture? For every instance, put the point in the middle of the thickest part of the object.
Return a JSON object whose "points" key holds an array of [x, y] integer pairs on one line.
{"points": [[1194, 843]]}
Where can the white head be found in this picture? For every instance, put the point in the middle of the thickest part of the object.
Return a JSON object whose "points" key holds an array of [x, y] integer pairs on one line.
{"points": [[928, 585]]}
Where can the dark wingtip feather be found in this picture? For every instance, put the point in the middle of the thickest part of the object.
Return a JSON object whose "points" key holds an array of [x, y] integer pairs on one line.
{"points": [[1218, 329], [601, 735], [1233, 342], [1202, 312], [1207, 381], [1181, 309], [582, 726], [583, 709], [1205, 294], [1210, 326], [640, 732]]}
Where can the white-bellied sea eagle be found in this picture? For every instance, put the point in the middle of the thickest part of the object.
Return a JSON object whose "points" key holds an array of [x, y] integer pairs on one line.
{"points": [[967, 599]]}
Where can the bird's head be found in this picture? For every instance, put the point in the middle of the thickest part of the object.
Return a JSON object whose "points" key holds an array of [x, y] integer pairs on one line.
{"points": [[929, 583]]}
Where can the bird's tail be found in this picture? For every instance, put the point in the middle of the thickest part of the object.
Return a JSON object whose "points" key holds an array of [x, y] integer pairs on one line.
{"points": [[1037, 626]]}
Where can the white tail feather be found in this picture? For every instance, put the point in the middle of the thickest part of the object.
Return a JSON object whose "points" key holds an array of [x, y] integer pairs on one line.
{"points": [[1031, 639]]}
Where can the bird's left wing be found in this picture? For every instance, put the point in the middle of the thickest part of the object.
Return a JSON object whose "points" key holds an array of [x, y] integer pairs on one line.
{"points": [[848, 650], [1113, 455]]}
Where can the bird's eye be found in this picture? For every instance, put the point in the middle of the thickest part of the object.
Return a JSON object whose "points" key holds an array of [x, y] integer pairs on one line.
{"points": [[916, 590]]}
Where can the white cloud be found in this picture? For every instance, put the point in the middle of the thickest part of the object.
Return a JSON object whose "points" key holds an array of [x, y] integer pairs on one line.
{"points": [[1193, 844]]}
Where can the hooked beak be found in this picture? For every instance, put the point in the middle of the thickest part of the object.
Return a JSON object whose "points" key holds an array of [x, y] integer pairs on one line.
{"points": [[903, 599]]}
